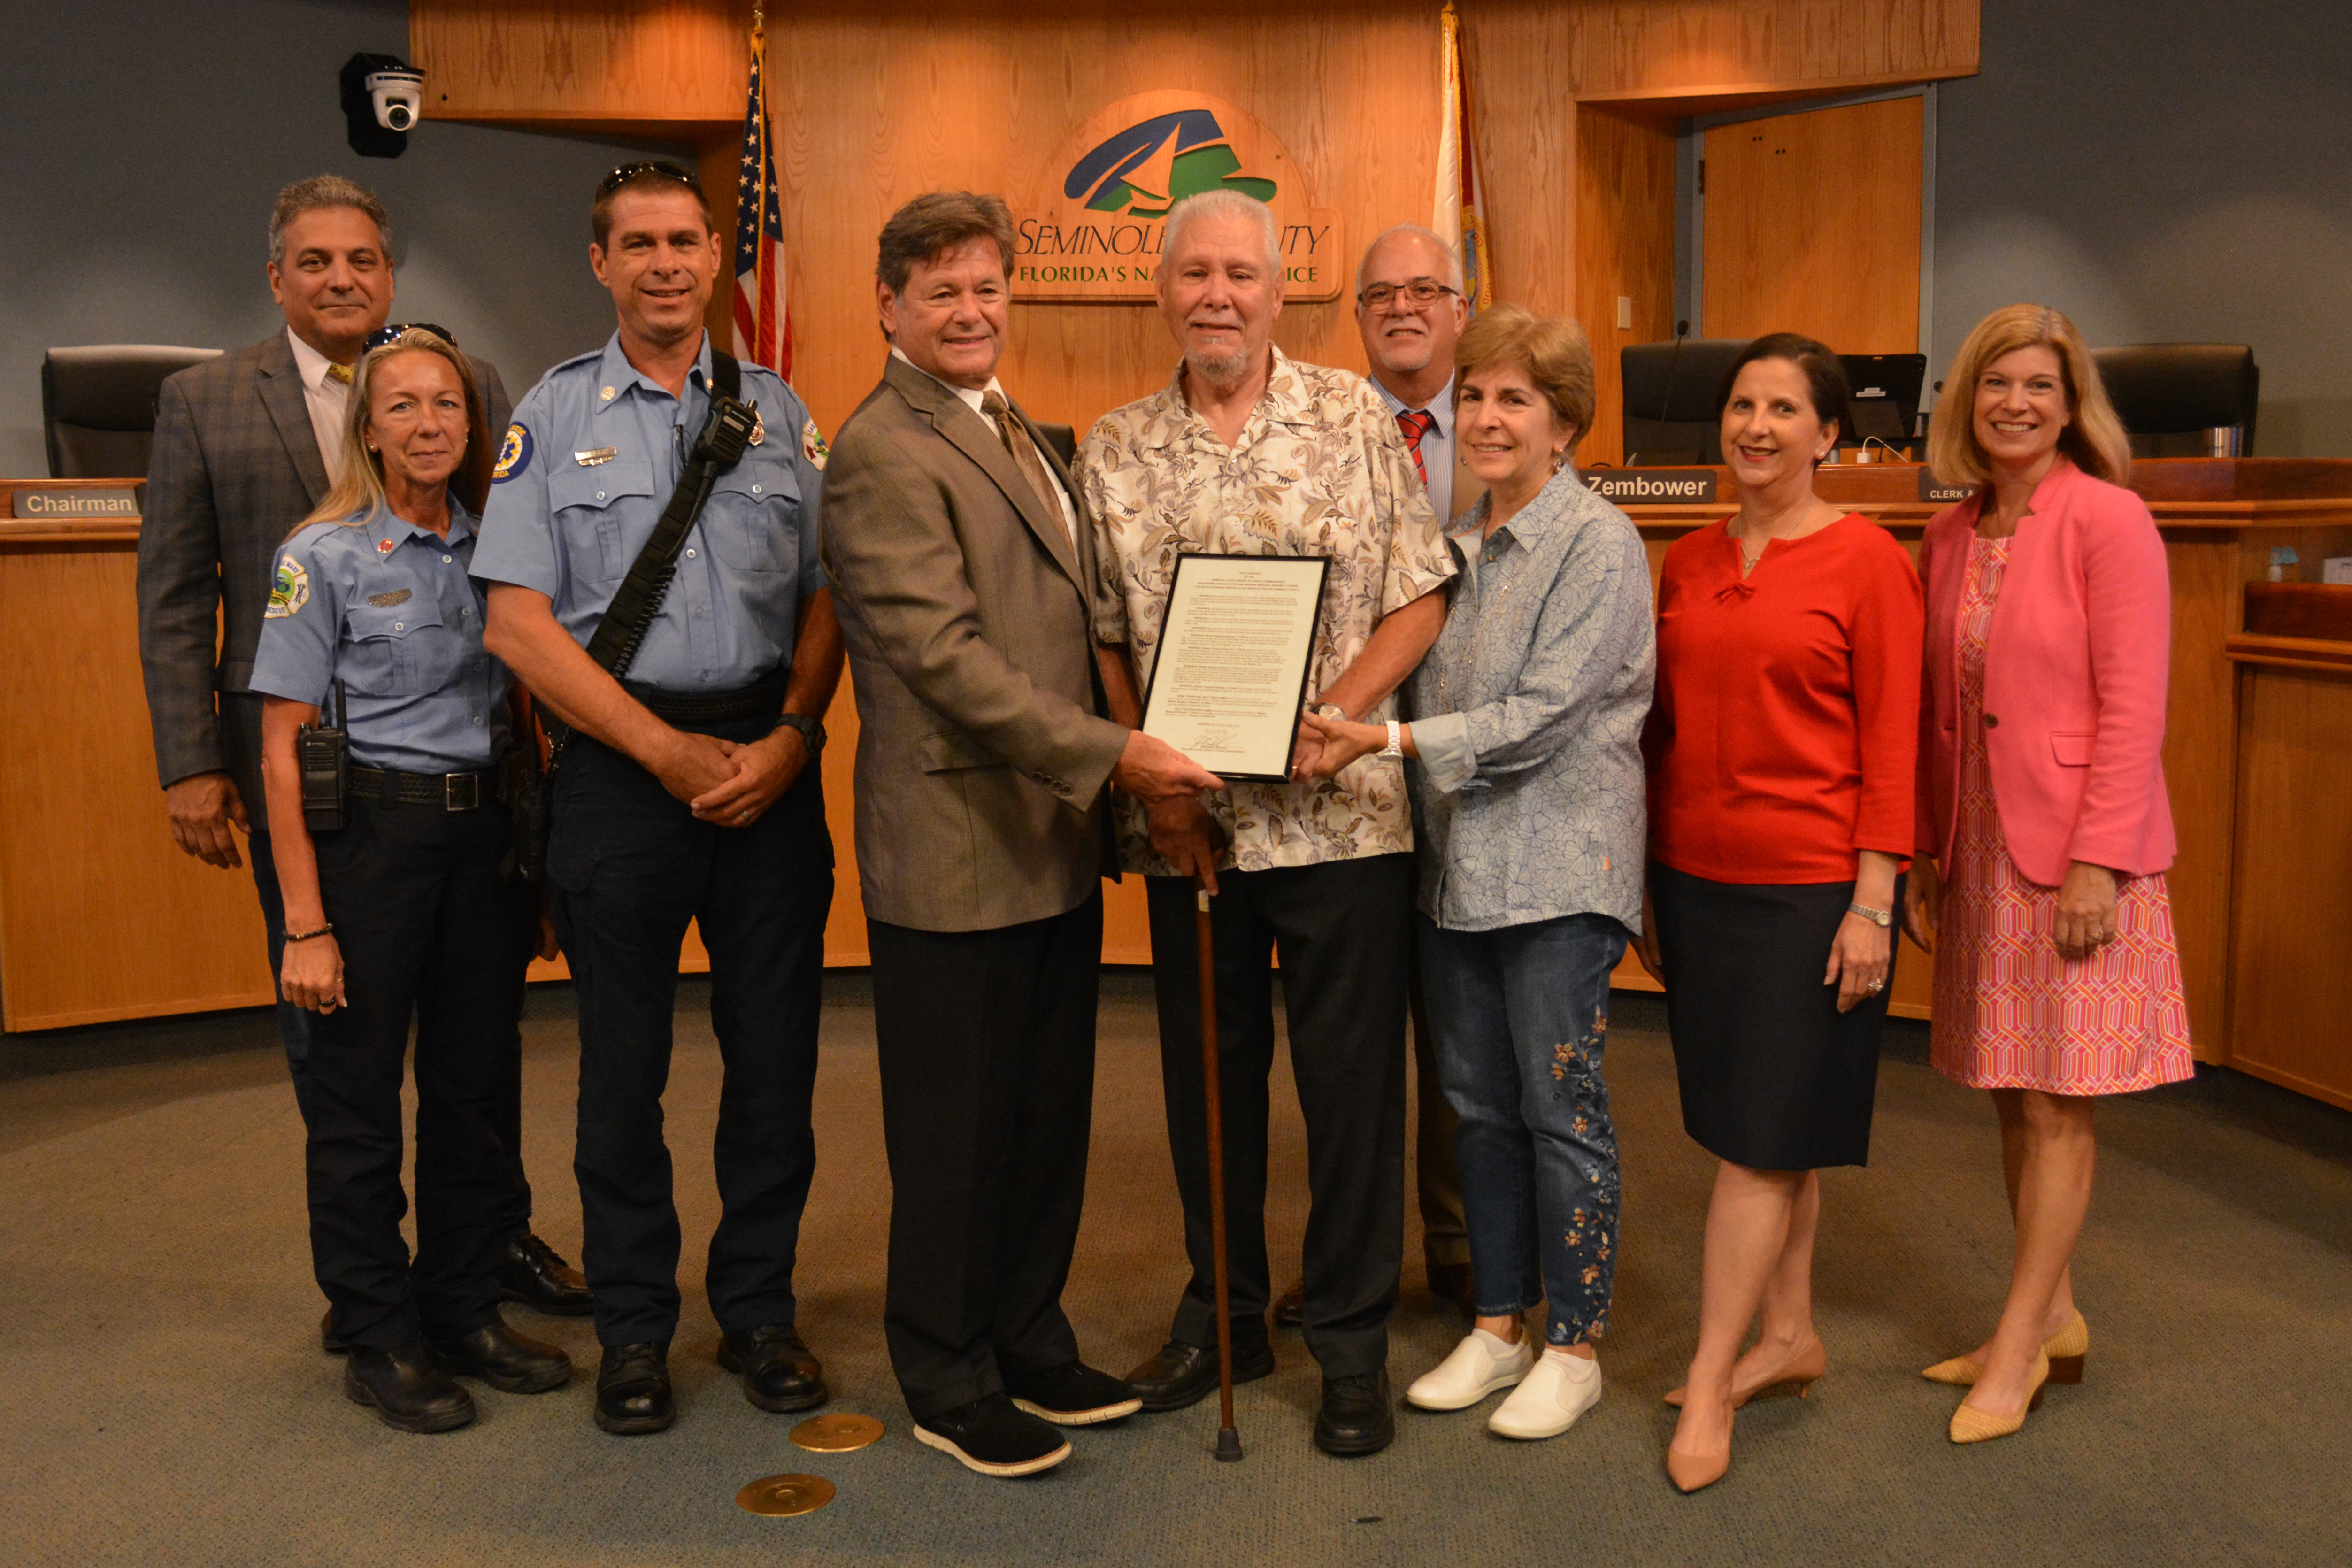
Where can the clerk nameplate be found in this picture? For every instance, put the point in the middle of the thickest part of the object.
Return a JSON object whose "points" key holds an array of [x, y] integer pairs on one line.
{"points": [[1941, 491], [40, 503], [1651, 487]]}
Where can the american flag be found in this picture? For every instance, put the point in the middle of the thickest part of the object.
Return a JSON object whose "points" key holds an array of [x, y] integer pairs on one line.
{"points": [[763, 327]]}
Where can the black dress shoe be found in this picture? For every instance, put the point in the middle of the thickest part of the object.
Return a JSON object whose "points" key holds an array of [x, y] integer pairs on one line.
{"points": [[505, 1360], [407, 1388], [633, 1392], [535, 1274], [1182, 1375], [1072, 1395], [992, 1436], [1290, 1307], [331, 1342], [1358, 1417], [778, 1373], [1450, 1283]]}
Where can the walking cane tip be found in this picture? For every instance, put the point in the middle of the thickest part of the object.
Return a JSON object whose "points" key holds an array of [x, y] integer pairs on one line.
{"points": [[1229, 1446]]}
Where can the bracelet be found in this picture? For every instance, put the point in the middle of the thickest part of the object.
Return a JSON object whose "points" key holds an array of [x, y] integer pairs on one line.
{"points": [[307, 935], [1395, 748]]}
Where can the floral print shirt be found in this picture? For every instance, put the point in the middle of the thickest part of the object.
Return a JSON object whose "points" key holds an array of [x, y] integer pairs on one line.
{"points": [[1320, 469]]}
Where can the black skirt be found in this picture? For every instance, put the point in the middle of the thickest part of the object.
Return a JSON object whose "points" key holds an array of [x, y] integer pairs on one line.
{"points": [[1773, 1076]]}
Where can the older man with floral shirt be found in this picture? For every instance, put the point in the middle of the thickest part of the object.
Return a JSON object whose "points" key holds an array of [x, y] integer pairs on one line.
{"points": [[1248, 452]]}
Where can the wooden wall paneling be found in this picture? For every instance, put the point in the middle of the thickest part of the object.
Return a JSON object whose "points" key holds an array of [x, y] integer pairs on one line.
{"points": [[1649, 49], [2290, 953], [1625, 248], [2209, 576], [1523, 112], [661, 66], [1812, 226], [104, 917]]}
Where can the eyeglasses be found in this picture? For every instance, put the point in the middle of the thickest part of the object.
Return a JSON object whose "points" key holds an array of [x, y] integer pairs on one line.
{"points": [[1421, 291], [390, 335], [660, 168]]}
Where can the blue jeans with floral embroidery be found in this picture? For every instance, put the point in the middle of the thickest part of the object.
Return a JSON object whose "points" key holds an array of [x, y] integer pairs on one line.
{"points": [[1521, 1015]]}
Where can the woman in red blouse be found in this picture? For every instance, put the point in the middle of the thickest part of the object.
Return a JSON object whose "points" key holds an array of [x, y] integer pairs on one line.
{"points": [[1782, 749]]}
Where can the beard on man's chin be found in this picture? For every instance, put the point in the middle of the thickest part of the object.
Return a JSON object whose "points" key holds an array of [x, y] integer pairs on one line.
{"points": [[1218, 370]]}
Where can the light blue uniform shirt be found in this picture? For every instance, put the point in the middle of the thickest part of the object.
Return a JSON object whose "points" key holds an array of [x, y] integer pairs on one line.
{"points": [[387, 608], [1437, 446], [583, 475]]}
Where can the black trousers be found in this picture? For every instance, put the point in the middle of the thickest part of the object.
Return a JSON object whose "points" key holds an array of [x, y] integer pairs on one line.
{"points": [[430, 931], [1344, 930], [631, 867], [987, 1045], [240, 719]]}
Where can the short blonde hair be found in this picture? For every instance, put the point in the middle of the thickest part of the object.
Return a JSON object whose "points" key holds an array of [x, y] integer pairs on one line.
{"points": [[1552, 350], [359, 492], [2095, 440]]}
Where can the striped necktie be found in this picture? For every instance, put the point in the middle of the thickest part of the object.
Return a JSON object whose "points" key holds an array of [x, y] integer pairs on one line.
{"points": [[1415, 424]]}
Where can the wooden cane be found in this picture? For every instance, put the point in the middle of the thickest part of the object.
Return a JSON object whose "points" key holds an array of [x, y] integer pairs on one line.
{"points": [[1229, 1441]]}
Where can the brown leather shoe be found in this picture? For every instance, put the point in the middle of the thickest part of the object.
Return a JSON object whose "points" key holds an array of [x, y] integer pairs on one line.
{"points": [[1290, 1307]]}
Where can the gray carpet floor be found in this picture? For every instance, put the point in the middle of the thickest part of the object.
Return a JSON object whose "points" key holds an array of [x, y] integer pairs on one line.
{"points": [[163, 1400]]}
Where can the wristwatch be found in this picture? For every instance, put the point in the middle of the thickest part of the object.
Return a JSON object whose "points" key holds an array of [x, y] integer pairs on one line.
{"points": [[1880, 917], [812, 730], [1331, 711], [1395, 748]]}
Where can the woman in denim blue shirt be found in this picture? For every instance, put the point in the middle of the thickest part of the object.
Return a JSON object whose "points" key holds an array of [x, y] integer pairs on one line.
{"points": [[1529, 796]]}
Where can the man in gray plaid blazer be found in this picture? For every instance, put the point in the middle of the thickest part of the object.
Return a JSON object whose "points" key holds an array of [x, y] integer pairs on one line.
{"points": [[245, 446]]}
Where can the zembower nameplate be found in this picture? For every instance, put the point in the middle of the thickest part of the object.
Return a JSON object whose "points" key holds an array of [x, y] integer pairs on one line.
{"points": [[1651, 487], [1231, 673]]}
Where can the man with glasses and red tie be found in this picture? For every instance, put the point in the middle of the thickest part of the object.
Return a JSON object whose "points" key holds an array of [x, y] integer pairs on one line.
{"points": [[245, 446], [651, 548]]}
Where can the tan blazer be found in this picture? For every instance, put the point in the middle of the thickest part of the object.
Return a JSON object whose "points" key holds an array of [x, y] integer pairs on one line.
{"points": [[982, 751]]}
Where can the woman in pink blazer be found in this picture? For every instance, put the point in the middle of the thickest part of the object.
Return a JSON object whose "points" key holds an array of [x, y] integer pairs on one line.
{"points": [[2043, 830]]}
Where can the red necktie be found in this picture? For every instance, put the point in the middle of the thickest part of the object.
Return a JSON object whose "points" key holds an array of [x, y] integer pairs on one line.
{"points": [[1415, 424]]}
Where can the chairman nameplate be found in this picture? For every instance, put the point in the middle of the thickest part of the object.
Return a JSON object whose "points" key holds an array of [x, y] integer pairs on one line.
{"points": [[1651, 486], [41, 503]]}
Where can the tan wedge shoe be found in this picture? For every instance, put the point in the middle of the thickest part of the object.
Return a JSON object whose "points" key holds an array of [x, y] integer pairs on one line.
{"points": [[2065, 1349], [1796, 1375], [1970, 1425]]}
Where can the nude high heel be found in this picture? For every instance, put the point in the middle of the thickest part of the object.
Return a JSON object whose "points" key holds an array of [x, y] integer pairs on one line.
{"points": [[1970, 1425], [1796, 1375], [2065, 1349], [1695, 1472]]}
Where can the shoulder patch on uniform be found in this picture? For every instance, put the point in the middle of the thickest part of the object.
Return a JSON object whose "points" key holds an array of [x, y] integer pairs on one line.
{"points": [[514, 454], [812, 445], [289, 591]]}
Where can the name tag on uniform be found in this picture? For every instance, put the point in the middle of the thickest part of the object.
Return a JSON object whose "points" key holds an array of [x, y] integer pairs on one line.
{"points": [[591, 458], [386, 601]]}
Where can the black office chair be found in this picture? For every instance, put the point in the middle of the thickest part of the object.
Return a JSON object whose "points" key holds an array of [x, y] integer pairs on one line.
{"points": [[2169, 395], [98, 405], [1670, 399]]}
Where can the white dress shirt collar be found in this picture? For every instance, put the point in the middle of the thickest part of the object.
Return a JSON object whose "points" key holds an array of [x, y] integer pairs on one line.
{"points": [[325, 399]]}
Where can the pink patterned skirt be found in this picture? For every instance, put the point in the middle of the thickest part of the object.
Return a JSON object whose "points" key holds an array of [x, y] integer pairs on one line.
{"points": [[2008, 1012]]}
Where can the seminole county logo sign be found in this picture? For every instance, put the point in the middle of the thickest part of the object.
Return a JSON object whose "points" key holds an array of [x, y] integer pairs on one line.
{"points": [[1093, 228]]}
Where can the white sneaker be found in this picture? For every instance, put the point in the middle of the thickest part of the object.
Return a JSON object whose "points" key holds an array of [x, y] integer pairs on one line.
{"points": [[1548, 1400], [1479, 1366]]}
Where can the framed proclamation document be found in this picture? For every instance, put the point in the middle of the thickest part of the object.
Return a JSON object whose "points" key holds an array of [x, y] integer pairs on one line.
{"points": [[1231, 674]]}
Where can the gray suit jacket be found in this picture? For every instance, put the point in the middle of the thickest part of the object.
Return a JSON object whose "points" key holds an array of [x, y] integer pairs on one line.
{"points": [[982, 751], [235, 466]]}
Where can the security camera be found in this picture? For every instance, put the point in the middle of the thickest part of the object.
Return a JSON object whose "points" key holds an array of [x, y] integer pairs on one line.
{"points": [[383, 98], [398, 96]]}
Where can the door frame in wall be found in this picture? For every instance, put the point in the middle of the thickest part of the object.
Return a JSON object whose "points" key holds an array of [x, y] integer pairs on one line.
{"points": [[1690, 273]]}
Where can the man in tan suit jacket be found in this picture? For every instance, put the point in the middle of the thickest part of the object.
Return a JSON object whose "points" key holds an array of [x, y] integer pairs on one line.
{"points": [[960, 560]]}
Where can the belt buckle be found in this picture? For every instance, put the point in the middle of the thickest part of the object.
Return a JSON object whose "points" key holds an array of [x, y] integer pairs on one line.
{"points": [[454, 798]]}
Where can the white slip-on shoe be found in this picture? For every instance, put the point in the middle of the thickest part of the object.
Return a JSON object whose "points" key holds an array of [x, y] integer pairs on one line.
{"points": [[1548, 1400], [1479, 1366]]}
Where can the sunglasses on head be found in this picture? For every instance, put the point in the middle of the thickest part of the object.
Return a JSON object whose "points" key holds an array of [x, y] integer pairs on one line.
{"points": [[390, 335], [661, 168]]}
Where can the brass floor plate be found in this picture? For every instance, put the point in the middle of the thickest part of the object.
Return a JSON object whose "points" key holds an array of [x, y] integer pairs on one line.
{"points": [[783, 1497], [836, 1434]]}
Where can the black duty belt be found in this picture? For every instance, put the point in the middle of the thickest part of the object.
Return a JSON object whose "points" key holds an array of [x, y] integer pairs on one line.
{"points": [[764, 698], [449, 792]]}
